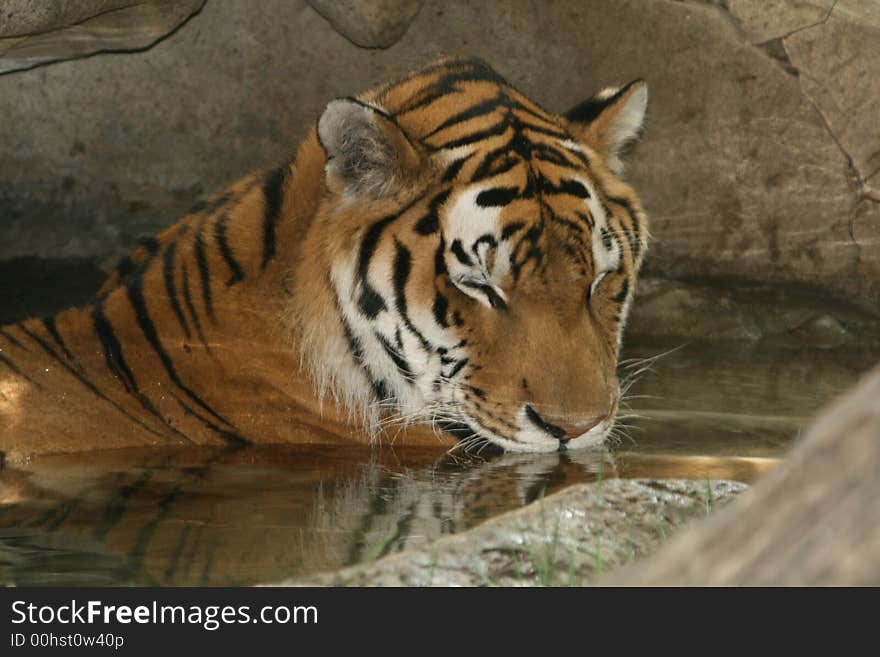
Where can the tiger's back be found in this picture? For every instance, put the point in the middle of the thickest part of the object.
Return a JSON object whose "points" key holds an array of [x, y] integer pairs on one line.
{"points": [[181, 344]]}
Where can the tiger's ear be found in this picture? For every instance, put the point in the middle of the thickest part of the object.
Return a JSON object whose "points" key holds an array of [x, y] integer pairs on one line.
{"points": [[367, 153], [611, 119]]}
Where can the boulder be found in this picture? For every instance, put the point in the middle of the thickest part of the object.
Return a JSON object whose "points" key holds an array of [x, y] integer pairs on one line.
{"points": [[568, 538], [758, 161], [24, 17], [811, 521], [369, 23], [40, 32]]}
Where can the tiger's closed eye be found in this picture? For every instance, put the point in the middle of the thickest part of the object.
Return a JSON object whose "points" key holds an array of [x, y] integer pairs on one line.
{"points": [[596, 283], [483, 292]]}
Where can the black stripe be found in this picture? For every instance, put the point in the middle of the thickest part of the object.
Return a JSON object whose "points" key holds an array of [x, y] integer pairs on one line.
{"points": [[511, 229], [559, 156], [549, 132], [222, 243], [440, 308], [204, 273], [605, 234], [636, 229], [590, 109], [484, 239], [273, 193], [451, 172], [487, 166], [369, 301], [448, 84], [380, 389], [52, 329], [624, 290], [113, 352], [587, 218], [440, 259], [574, 188], [458, 367], [187, 299], [12, 339], [232, 437], [480, 109], [430, 223], [398, 359], [6, 361], [494, 298], [498, 129], [171, 288], [82, 379], [136, 298], [118, 367], [459, 252], [127, 264], [402, 268], [496, 197]]}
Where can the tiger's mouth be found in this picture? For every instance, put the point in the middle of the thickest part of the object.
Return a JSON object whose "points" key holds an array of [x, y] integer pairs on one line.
{"points": [[474, 436]]}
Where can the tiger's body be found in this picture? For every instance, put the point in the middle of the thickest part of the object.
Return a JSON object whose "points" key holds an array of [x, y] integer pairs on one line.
{"points": [[441, 253]]}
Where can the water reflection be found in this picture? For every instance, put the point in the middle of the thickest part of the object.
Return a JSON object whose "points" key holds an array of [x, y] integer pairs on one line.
{"points": [[209, 517], [218, 517]]}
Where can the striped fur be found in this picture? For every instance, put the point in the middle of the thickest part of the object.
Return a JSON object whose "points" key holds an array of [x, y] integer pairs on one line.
{"points": [[441, 254]]}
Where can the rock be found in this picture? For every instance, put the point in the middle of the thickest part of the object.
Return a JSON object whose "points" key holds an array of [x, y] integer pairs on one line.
{"points": [[671, 308], [369, 23], [69, 30], [24, 17], [724, 309], [745, 169], [811, 521], [824, 331], [828, 45], [765, 20], [567, 538]]}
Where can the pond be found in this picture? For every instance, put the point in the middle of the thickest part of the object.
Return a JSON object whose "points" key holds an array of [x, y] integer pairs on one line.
{"points": [[721, 410]]}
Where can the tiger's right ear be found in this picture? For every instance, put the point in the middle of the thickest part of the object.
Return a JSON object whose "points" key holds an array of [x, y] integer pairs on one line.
{"points": [[367, 153]]}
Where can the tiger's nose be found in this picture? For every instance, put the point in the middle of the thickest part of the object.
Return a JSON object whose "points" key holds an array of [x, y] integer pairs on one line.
{"points": [[562, 431]]}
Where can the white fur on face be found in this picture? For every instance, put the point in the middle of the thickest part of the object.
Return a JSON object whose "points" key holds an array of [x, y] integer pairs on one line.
{"points": [[470, 224]]}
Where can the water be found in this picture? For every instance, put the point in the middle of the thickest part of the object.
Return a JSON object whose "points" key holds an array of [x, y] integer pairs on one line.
{"points": [[221, 517]]}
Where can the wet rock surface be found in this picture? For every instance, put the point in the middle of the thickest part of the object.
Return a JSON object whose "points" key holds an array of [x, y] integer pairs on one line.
{"points": [[564, 539], [750, 311], [759, 158]]}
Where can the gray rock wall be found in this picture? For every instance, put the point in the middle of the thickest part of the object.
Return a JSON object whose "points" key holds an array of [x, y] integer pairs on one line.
{"points": [[760, 160]]}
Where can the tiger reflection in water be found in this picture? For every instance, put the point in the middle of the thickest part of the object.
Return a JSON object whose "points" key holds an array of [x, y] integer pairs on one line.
{"points": [[215, 517], [201, 517]]}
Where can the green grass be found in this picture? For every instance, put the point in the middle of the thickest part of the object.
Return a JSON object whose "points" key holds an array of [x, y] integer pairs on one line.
{"points": [[374, 553], [710, 497]]}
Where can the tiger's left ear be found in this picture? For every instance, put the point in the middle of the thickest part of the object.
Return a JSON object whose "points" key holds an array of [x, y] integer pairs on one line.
{"points": [[611, 119], [368, 155]]}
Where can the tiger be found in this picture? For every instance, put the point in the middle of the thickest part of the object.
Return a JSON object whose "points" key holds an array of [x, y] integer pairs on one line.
{"points": [[441, 263]]}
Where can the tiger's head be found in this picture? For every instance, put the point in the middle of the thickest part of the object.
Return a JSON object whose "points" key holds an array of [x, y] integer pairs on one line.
{"points": [[481, 256]]}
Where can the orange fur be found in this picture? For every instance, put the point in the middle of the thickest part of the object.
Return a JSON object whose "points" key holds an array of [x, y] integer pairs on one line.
{"points": [[228, 327]]}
